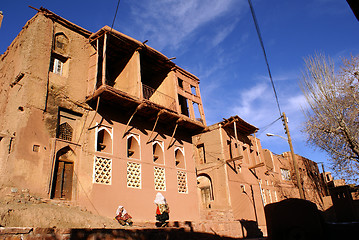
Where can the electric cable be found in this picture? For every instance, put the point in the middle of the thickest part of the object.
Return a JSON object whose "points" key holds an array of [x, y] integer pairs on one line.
{"points": [[264, 52], [262, 129], [114, 18]]}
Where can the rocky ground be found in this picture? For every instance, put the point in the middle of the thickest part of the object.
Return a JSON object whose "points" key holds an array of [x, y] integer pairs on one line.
{"points": [[18, 208]]}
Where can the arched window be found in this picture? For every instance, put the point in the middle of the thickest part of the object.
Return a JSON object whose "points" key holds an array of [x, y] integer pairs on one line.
{"points": [[104, 140], [133, 147], [61, 43], [65, 131], [157, 152], [179, 158], [204, 184]]}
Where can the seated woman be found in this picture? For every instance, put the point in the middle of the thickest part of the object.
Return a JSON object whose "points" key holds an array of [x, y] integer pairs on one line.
{"points": [[123, 217], [162, 210]]}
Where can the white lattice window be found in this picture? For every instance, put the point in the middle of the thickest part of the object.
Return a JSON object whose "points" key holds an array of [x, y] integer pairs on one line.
{"points": [[285, 174], [160, 179], [182, 182], [264, 197], [103, 170], [56, 65], [269, 196], [133, 175]]}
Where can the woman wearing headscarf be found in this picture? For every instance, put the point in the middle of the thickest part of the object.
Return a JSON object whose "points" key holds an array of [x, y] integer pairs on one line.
{"points": [[162, 210], [123, 217]]}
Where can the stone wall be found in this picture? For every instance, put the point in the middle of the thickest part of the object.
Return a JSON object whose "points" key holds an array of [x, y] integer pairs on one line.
{"points": [[129, 233]]}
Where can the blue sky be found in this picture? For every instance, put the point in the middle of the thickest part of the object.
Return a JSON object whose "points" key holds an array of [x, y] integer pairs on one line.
{"points": [[217, 42]]}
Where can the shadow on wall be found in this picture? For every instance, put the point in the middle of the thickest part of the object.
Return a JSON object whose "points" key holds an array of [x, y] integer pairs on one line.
{"points": [[144, 234], [301, 219], [251, 228]]}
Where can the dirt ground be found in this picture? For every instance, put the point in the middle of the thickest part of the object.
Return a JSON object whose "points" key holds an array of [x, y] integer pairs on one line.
{"points": [[18, 208]]}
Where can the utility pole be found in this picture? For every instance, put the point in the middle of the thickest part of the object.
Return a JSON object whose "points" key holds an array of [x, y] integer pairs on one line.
{"points": [[299, 183], [1, 17]]}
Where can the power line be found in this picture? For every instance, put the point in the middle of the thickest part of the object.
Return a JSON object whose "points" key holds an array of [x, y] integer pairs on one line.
{"points": [[113, 22], [264, 52], [262, 129]]}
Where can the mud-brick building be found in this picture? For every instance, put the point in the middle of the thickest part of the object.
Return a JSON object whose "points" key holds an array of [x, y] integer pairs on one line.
{"points": [[237, 178], [98, 119]]}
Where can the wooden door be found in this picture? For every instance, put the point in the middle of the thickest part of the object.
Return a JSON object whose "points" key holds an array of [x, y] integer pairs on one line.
{"points": [[62, 184]]}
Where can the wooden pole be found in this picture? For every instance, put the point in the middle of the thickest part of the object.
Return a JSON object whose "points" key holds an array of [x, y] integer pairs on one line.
{"points": [[295, 165]]}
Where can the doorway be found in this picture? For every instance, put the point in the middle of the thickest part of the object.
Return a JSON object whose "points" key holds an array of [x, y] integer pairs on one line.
{"points": [[63, 175]]}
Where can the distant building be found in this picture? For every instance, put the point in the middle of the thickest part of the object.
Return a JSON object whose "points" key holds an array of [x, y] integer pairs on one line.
{"points": [[237, 178]]}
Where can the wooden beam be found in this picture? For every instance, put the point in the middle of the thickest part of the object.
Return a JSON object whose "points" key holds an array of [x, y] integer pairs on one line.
{"points": [[133, 114], [153, 129], [174, 132], [257, 165]]}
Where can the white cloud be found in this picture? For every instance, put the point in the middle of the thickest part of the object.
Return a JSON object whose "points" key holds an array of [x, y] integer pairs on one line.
{"points": [[170, 22], [221, 35]]}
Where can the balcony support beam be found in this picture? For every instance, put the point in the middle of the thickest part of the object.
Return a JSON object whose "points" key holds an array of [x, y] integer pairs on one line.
{"points": [[174, 132], [133, 114], [153, 129]]}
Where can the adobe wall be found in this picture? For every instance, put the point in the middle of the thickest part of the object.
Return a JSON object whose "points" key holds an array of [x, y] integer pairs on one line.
{"points": [[31, 113], [214, 167], [22, 112], [138, 202]]}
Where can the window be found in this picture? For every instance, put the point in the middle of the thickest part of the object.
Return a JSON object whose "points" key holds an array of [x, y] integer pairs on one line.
{"points": [[229, 143], [184, 105], [197, 114], [133, 146], [67, 122], [157, 152], [160, 179], [36, 148], [275, 196], [243, 188], [201, 154], [182, 182], [133, 175], [104, 140], [205, 186], [179, 157], [65, 131], [180, 82], [56, 65], [193, 90], [102, 171], [285, 174], [61, 43]]}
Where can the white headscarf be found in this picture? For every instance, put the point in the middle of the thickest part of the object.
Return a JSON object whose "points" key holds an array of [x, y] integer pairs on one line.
{"points": [[119, 210], [160, 199]]}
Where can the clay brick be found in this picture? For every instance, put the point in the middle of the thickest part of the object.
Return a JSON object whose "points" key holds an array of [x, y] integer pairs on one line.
{"points": [[62, 230], [43, 230], [14, 230]]}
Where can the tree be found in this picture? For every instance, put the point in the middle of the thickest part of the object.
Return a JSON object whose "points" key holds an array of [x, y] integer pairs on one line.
{"points": [[332, 119]]}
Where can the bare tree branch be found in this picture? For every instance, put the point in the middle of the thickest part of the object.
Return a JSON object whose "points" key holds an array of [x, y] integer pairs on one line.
{"points": [[332, 119]]}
